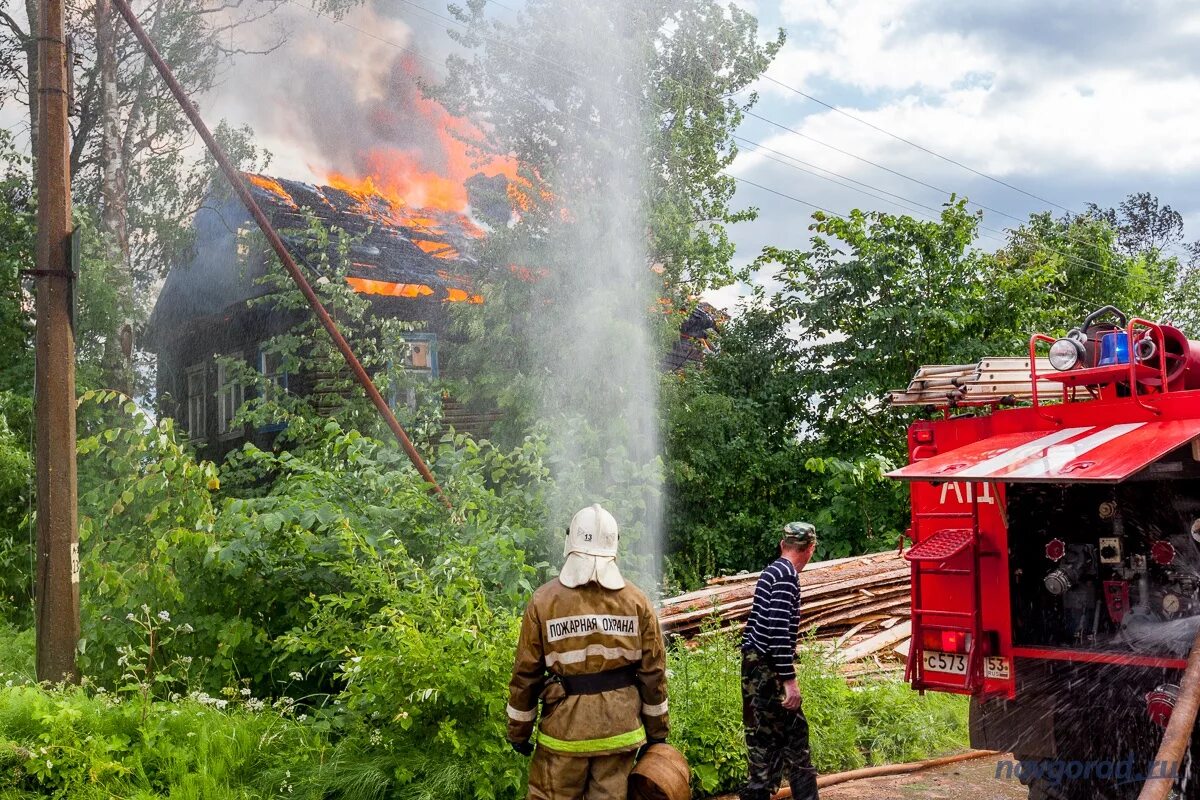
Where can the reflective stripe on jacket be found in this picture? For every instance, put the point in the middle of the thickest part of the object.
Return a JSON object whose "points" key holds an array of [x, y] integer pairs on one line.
{"points": [[584, 631]]}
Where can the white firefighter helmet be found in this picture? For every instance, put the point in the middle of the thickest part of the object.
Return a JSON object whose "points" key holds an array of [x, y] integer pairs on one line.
{"points": [[591, 550]]}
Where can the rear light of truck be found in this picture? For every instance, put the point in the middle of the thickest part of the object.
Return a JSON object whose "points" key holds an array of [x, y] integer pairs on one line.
{"points": [[946, 641]]}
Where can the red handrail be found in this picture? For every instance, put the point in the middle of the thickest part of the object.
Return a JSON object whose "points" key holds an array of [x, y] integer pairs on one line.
{"points": [[1155, 329], [1033, 340]]}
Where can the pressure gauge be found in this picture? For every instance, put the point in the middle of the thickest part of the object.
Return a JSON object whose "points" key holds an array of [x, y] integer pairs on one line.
{"points": [[1170, 604]]}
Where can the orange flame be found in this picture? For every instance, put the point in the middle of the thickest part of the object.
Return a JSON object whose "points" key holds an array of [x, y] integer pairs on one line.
{"points": [[433, 177], [271, 185], [388, 288]]}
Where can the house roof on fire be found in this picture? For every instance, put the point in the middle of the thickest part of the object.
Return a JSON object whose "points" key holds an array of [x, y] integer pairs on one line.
{"points": [[394, 251]]}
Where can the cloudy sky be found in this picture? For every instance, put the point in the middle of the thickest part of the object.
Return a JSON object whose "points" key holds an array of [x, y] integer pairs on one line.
{"points": [[1071, 102]]}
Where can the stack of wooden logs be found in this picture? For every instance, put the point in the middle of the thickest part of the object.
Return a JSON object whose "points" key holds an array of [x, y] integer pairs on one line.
{"points": [[857, 607]]}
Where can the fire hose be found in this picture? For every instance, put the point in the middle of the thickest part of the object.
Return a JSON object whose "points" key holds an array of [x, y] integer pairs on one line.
{"points": [[889, 769], [1178, 734], [289, 264]]}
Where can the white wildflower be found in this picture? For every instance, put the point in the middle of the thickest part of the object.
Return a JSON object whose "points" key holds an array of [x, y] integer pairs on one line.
{"points": [[245, 692], [129, 616], [221, 704], [296, 676], [302, 717], [164, 616], [185, 628]]}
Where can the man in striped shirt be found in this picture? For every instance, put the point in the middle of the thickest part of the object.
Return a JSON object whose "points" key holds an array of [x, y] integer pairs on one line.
{"points": [[776, 729]]}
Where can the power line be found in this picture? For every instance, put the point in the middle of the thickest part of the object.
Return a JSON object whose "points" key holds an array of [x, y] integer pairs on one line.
{"points": [[991, 233], [911, 143], [935, 154], [801, 166], [879, 166]]}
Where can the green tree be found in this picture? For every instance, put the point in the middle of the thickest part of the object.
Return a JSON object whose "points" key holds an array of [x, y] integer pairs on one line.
{"points": [[735, 468], [16, 254], [877, 296], [620, 116], [873, 298]]}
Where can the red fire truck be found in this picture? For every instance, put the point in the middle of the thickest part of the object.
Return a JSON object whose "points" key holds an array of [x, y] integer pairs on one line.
{"points": [[1056, 548]]}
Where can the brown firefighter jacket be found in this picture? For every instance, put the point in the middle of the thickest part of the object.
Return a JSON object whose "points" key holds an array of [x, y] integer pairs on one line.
{"points": [[582, 631]]}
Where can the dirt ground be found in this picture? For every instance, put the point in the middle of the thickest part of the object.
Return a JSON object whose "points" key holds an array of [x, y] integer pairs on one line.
{"points": [[974, 779]]}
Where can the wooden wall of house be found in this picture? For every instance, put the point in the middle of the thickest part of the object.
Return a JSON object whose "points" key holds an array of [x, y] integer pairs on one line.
{"points": [[246, 330]]}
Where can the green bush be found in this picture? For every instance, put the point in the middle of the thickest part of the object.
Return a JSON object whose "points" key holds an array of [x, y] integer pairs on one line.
{"points": [[239, 552]]}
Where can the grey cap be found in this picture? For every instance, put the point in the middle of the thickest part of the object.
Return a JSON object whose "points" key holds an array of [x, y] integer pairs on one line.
{"points": [[800, 534]]}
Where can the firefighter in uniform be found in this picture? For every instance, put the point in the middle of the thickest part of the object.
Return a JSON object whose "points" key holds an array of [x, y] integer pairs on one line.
{"points": [[591, 650]]}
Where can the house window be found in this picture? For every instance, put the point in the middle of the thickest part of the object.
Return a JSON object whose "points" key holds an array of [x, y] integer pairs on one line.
{"points": [[197, 401], [420, 362], [422, 354], [275, 384], [229, 394], [271, 367]]}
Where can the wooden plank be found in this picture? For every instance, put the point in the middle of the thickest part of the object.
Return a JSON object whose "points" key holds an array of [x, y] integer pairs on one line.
{"points": [[842, 639], [877, 642]]}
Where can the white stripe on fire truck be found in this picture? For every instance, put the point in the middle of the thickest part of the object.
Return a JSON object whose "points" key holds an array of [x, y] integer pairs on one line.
{"points": [[1059, 455], [986, 469]]}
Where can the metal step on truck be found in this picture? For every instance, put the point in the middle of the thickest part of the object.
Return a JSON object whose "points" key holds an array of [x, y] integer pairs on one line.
{"points": [[1056, 551]]}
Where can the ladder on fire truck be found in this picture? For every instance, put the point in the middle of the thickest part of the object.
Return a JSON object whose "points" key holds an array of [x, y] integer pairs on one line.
{"points": [[933, 554]]}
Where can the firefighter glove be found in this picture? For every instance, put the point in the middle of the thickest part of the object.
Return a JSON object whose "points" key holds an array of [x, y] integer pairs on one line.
{"points": [[525, 748]]}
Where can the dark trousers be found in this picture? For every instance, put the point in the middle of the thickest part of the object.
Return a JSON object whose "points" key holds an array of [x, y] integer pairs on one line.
{"points": [[776, 739]]}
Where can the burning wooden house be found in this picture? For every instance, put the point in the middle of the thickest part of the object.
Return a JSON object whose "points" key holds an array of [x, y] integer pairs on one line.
{"points": [[411, 264]]}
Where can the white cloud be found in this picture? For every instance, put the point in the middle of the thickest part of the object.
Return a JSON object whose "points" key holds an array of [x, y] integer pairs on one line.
{"points": [[1025, 96]]}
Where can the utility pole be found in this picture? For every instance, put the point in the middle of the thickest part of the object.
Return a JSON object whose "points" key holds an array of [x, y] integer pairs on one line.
{"points": [[57, 599]]}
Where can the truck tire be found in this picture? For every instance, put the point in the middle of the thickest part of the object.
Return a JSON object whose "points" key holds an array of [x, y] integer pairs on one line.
{"points": [[1043, 789]]}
